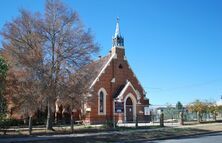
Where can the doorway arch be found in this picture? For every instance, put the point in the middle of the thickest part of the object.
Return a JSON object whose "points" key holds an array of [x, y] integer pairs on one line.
{"points": [[130, 108]]}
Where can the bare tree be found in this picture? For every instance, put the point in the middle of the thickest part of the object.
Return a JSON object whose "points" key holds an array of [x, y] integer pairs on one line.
{"points": [[76, 93], [26, 97], [51, 47], [22, 48], [67, 45]]}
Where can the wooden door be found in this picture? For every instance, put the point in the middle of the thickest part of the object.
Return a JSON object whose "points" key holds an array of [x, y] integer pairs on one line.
{"points": [[129, 110]]}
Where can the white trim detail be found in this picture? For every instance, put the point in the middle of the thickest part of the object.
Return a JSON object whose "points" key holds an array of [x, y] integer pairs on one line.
{"points": [[121, 47], [129, 84], [113, 80], [104, 103], [103, 70], [138, 96], [130, 95], [115, 57]]}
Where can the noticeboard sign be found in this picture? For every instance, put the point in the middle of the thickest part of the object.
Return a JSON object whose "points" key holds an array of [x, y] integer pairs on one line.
{"points": [[146, 111], [119, 107]]}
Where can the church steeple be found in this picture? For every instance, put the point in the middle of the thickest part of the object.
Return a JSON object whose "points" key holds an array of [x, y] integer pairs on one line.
{"points": [[117, 33], [118, 40]]}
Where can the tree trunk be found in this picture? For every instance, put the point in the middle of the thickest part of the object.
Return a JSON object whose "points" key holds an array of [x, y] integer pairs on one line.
{"points": [[56, 117], [198, 117], [30, 125], [136, 121], [215, 116], [181, 118], [161, 119], [72, 120], [72, 123], [49, 118]]}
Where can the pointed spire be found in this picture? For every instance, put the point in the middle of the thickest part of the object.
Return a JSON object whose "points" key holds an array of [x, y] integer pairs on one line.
{"points": [[118, 40], [117, 33]]}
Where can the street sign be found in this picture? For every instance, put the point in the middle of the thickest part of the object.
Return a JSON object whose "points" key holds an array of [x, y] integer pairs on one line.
{"points": [[119, 107]]}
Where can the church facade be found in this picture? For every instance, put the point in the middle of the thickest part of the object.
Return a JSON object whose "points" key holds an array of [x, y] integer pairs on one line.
{"points": [[115, 92]]}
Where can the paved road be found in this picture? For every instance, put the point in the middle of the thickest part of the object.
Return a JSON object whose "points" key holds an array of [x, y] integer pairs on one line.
{"points": [[207, 138]]}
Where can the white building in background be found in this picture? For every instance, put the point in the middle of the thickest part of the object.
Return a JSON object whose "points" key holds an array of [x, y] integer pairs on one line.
{"points": [[219, 102]]}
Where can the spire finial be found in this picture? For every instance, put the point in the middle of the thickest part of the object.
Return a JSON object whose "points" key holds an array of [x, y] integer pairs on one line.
{"points": [[117, 19]]}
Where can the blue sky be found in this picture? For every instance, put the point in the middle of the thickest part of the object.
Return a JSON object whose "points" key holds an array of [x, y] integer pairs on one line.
{"points": [[174, 46]]}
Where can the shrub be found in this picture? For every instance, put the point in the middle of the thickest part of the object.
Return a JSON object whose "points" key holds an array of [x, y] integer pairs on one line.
{"points": [[109, 124], [4, 125], [7, 123]]}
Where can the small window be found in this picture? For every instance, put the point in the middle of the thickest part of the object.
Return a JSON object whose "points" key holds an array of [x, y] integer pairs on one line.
{"points": [[120, 66]]}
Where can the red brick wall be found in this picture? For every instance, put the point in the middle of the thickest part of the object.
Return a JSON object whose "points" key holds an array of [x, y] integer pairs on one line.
{"points": [[120, 75]]}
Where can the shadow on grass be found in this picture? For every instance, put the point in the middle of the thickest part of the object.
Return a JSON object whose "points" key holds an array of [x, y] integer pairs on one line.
{"points": [[202, 122], [61, 131]]}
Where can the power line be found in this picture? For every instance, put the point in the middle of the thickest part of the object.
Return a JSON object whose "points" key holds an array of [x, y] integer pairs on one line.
{"points": [[195, 85]]}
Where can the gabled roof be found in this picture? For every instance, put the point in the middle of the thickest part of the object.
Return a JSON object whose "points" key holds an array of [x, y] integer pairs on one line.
{"points": [[102, 66], [128, 84], [98, 67], [95, 68], [118, 91]]}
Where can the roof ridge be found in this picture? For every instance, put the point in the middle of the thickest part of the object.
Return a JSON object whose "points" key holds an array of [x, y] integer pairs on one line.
{"points": [[103, 68]]}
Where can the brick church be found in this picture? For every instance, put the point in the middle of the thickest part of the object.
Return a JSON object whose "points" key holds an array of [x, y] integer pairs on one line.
{"points": [[116, 93]]}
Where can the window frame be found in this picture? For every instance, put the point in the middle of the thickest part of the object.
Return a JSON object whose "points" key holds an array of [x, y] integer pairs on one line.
{"points": [[104, 101]]}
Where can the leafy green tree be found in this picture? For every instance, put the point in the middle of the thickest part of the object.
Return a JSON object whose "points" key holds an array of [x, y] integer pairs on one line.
{"points": [[213, 109], [179, 106], [219, 109], [199, 108]]}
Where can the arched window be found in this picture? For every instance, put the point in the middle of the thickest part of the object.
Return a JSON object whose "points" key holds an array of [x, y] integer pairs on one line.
{"points": [[102, 101]]}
